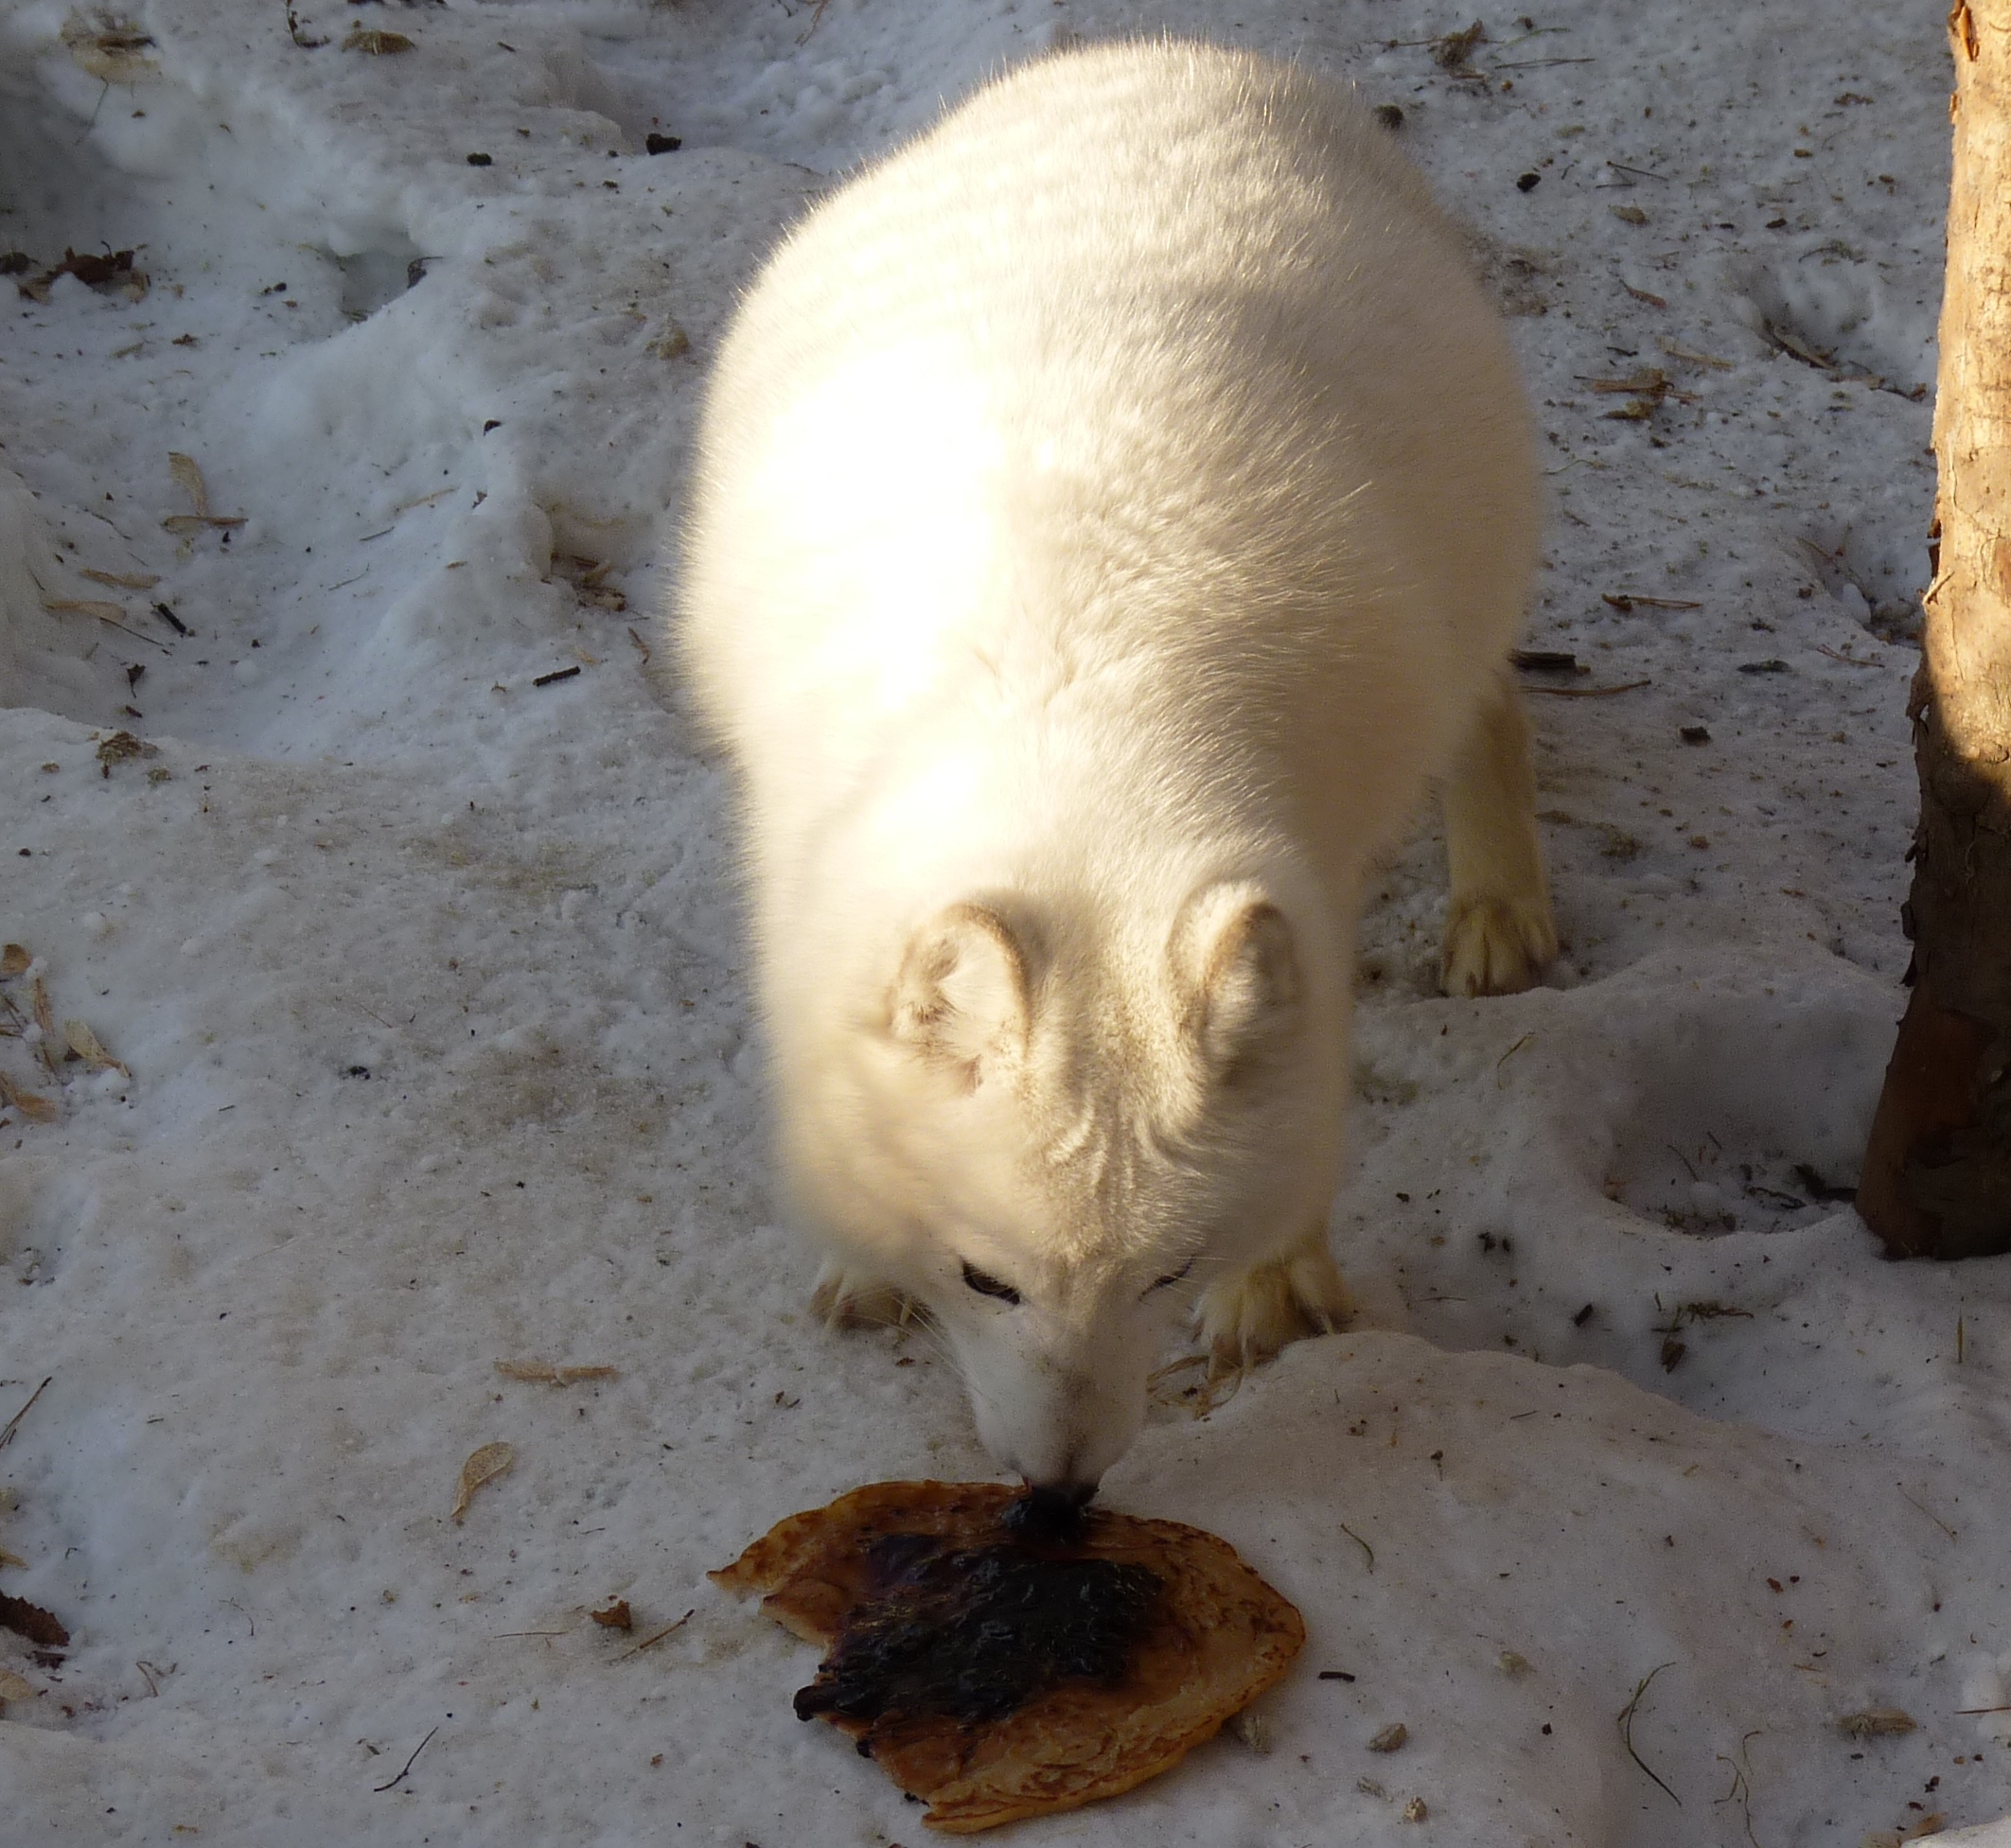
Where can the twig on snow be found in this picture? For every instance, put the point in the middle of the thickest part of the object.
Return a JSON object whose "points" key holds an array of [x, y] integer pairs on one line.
{"points": [[1626, 1722]]}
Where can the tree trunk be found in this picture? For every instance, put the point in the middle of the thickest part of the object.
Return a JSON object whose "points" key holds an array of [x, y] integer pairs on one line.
{"points": [[1938, 1169]]}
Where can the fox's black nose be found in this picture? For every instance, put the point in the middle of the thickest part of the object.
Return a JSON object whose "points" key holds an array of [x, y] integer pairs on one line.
{"points": [[1068, 1495], [1051, 1511]]}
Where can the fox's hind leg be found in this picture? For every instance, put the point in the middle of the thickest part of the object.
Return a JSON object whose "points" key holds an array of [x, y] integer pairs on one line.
{"points": [[1499, 932]]}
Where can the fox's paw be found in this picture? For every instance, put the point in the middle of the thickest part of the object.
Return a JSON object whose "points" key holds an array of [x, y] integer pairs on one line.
{"points": [[1249, 1316], [850, 1300], [1496, 945]]}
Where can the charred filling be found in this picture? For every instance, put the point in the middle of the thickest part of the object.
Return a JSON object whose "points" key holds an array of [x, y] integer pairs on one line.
{"points": [[973, 1634]]}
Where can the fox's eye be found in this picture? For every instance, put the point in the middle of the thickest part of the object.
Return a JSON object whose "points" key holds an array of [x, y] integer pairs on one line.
{"points": [[987, 1285], [1173, 1276]]}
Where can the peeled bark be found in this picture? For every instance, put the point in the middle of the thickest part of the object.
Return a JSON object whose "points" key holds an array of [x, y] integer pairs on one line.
{"points": [[1938, 1169]]}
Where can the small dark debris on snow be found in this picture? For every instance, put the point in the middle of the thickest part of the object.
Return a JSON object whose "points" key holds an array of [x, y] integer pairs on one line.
{"points": [[481, 160], [1452, 52], [1819, 1189], [1335, 1675], [1775, 666], [1584, 1316], [1791, 1203], [15, 263], [1527, 182], [168, 616], [1672, 1353], [556, 674], [663, 144], [1546, 660], [494, 423], [1696, 734], [1391, 116]]}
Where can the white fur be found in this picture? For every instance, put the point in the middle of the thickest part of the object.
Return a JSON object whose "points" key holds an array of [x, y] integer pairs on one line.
{"points": [[1113, 509]]}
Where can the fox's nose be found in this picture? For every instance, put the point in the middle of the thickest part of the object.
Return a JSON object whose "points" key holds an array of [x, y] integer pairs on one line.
{"points": [[1066, 1497], [1052, 1511]]}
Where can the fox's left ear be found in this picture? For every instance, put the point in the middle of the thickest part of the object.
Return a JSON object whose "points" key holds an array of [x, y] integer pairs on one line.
{"points": [[1238, 971], [963, 997]]}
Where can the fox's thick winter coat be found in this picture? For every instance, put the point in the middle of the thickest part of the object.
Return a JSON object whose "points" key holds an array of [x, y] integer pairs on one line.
{"points": [[1113, 510]]}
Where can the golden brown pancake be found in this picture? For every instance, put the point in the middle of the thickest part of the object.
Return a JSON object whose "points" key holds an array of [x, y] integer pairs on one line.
{"points": [[1195, 1637]]}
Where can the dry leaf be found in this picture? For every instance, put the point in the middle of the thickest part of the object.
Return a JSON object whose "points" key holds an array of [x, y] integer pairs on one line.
{"points": [[118, 747], [180, 525], [1646, 378], [107, 613], [377, 45], [1390, 1738], [1415, 1811], [546, 1374], [110, 53], [14, 959], [113, 269], [1877, 1723], [486, 1465], [13, 1559], [125, 580], [616, 1616], [1676, 352], [188, 477], [14, 1687], [31, 1620], [31, 1104], [91, 1050]]}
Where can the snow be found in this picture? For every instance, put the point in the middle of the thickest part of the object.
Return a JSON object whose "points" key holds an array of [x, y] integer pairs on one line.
{"points": [[429, 983]]}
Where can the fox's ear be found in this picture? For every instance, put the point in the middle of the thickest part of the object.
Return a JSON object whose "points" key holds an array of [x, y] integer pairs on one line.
{"points": [[963, 997], [1238, 974]]}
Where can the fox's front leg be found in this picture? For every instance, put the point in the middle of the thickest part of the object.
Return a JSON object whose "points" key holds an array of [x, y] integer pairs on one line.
{"points": [[845, 1298], [1247, 1316]]}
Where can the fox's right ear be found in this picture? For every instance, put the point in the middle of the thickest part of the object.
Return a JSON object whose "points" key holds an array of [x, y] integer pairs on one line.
{"points": [[963, 998], [1237, 969]]}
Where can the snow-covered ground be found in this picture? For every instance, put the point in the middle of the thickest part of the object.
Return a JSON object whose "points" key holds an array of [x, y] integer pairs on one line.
{"points": [[426, 971]]}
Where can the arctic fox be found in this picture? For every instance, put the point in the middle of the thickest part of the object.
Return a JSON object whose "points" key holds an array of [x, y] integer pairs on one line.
{"points": [[1112, 512]]}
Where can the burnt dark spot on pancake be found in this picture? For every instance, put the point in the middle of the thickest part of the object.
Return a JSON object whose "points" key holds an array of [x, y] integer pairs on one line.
{"points": [[973, 1634]]}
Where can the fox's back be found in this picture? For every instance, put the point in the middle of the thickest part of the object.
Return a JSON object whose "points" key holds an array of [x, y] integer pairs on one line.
{"points": [[1143, 407]]}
